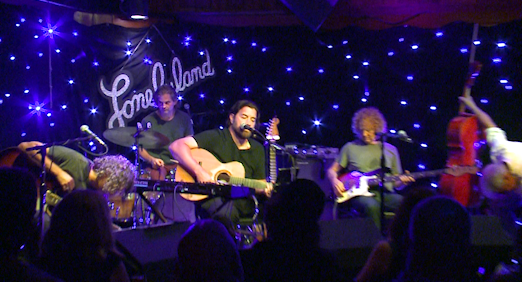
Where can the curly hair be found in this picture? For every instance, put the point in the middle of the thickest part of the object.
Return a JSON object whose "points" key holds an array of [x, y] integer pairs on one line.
{"points": [[373, 115], [118, 170]]}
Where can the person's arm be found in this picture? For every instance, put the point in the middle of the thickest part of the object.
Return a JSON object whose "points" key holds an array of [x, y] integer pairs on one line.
{"points": [[155, 162], [119, 274], [64, 178], [180, 150], [482, 116], [332, 173], [377, 263]]}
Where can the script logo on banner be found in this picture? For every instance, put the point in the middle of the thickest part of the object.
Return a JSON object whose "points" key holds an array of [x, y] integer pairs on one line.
{"points": [[125, 106]]}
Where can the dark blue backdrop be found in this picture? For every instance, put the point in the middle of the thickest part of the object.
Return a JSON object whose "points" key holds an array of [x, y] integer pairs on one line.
{"points": [[311, 76]]}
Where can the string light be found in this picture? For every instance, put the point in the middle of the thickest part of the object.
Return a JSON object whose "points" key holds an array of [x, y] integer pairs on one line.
{"points": [[286, 94]]}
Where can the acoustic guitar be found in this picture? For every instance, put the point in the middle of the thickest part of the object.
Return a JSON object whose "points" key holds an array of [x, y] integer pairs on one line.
{"points": [[14, 157], [232, 173]]}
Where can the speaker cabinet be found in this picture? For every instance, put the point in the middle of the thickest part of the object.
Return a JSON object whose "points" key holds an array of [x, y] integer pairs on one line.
{"points": [[151, 250], [315, 169]]}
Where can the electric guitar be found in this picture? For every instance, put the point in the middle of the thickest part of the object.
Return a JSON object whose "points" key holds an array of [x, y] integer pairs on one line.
{"points": [[358, 184], [232, 173], [272, 135]]}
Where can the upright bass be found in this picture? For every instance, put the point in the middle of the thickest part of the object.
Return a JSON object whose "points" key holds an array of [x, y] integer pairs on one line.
{"points": [[463, 142]]}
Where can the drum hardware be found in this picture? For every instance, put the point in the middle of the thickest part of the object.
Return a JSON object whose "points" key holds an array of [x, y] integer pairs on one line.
{"points": [[136, 136], [122, 209], [146, 138]]}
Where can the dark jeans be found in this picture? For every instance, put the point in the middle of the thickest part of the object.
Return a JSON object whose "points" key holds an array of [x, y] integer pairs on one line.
{"points": [[370, 206], [226, 211]]}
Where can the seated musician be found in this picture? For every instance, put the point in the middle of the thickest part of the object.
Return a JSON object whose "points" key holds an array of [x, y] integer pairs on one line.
{"points": [[174, 124], [230, 144], [501, 179], [364, 155], [113, 174]]}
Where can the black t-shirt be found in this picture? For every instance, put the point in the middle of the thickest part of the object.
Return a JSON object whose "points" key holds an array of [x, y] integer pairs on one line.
{"points": [[72, 162], [221, 145]]}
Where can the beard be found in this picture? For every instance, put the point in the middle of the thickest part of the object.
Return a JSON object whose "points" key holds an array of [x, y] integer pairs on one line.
{"points": [[165, 114], [245, 134]]}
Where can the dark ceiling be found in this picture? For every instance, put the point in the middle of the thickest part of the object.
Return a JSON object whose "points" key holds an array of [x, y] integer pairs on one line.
{"points": [[324, 14]]}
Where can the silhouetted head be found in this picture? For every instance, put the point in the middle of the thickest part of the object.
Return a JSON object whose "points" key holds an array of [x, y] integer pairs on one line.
{"points": [[440, 231], [207, 252], [17, 207], [80, 225], [294, 211]]}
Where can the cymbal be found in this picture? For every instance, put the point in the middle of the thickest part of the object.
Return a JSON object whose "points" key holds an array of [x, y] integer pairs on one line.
{"points": [[124, 136]]}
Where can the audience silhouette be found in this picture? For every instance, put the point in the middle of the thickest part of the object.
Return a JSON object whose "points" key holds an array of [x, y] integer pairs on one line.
{"points": [[79, 245], [388, 257], [291, 251], [17, 207], [440, 232], [207, 252]]}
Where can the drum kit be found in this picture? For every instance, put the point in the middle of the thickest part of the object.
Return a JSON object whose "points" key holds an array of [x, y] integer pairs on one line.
{"points": [[137, 209]]}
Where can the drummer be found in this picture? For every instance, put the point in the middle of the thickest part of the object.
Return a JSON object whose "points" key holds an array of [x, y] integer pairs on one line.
{"points": [[174, 124]]}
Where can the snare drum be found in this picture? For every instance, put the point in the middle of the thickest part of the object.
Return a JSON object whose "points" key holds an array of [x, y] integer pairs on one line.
{"points": [[122, 209]]}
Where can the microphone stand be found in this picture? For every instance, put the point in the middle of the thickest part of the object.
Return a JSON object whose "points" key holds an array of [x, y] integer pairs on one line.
{"points": [[43, 176], [139, 130], [381, 181]]}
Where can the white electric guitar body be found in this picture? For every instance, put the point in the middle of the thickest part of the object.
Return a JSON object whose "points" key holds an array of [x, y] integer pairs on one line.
{"points": [[358, 184]]}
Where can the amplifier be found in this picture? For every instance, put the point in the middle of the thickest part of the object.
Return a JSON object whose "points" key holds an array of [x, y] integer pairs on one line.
{"points": [[312, 151]]}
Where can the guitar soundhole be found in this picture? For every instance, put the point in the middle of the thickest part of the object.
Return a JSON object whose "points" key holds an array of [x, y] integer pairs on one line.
{"points": [[223, 177]]}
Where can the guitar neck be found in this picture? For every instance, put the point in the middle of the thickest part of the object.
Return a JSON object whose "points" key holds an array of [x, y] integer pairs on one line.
{"points": [[250, 183], [415, 175], [273, 163]]}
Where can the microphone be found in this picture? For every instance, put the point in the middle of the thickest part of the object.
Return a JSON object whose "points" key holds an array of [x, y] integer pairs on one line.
{"points": [[255, 132], [85, 128], [401, 135], [247, 127]]}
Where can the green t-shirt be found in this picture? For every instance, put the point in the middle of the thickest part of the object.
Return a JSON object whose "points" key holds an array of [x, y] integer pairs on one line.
{"points": [[362, 157], [178, 127], [221, 145], [72, 162]]}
